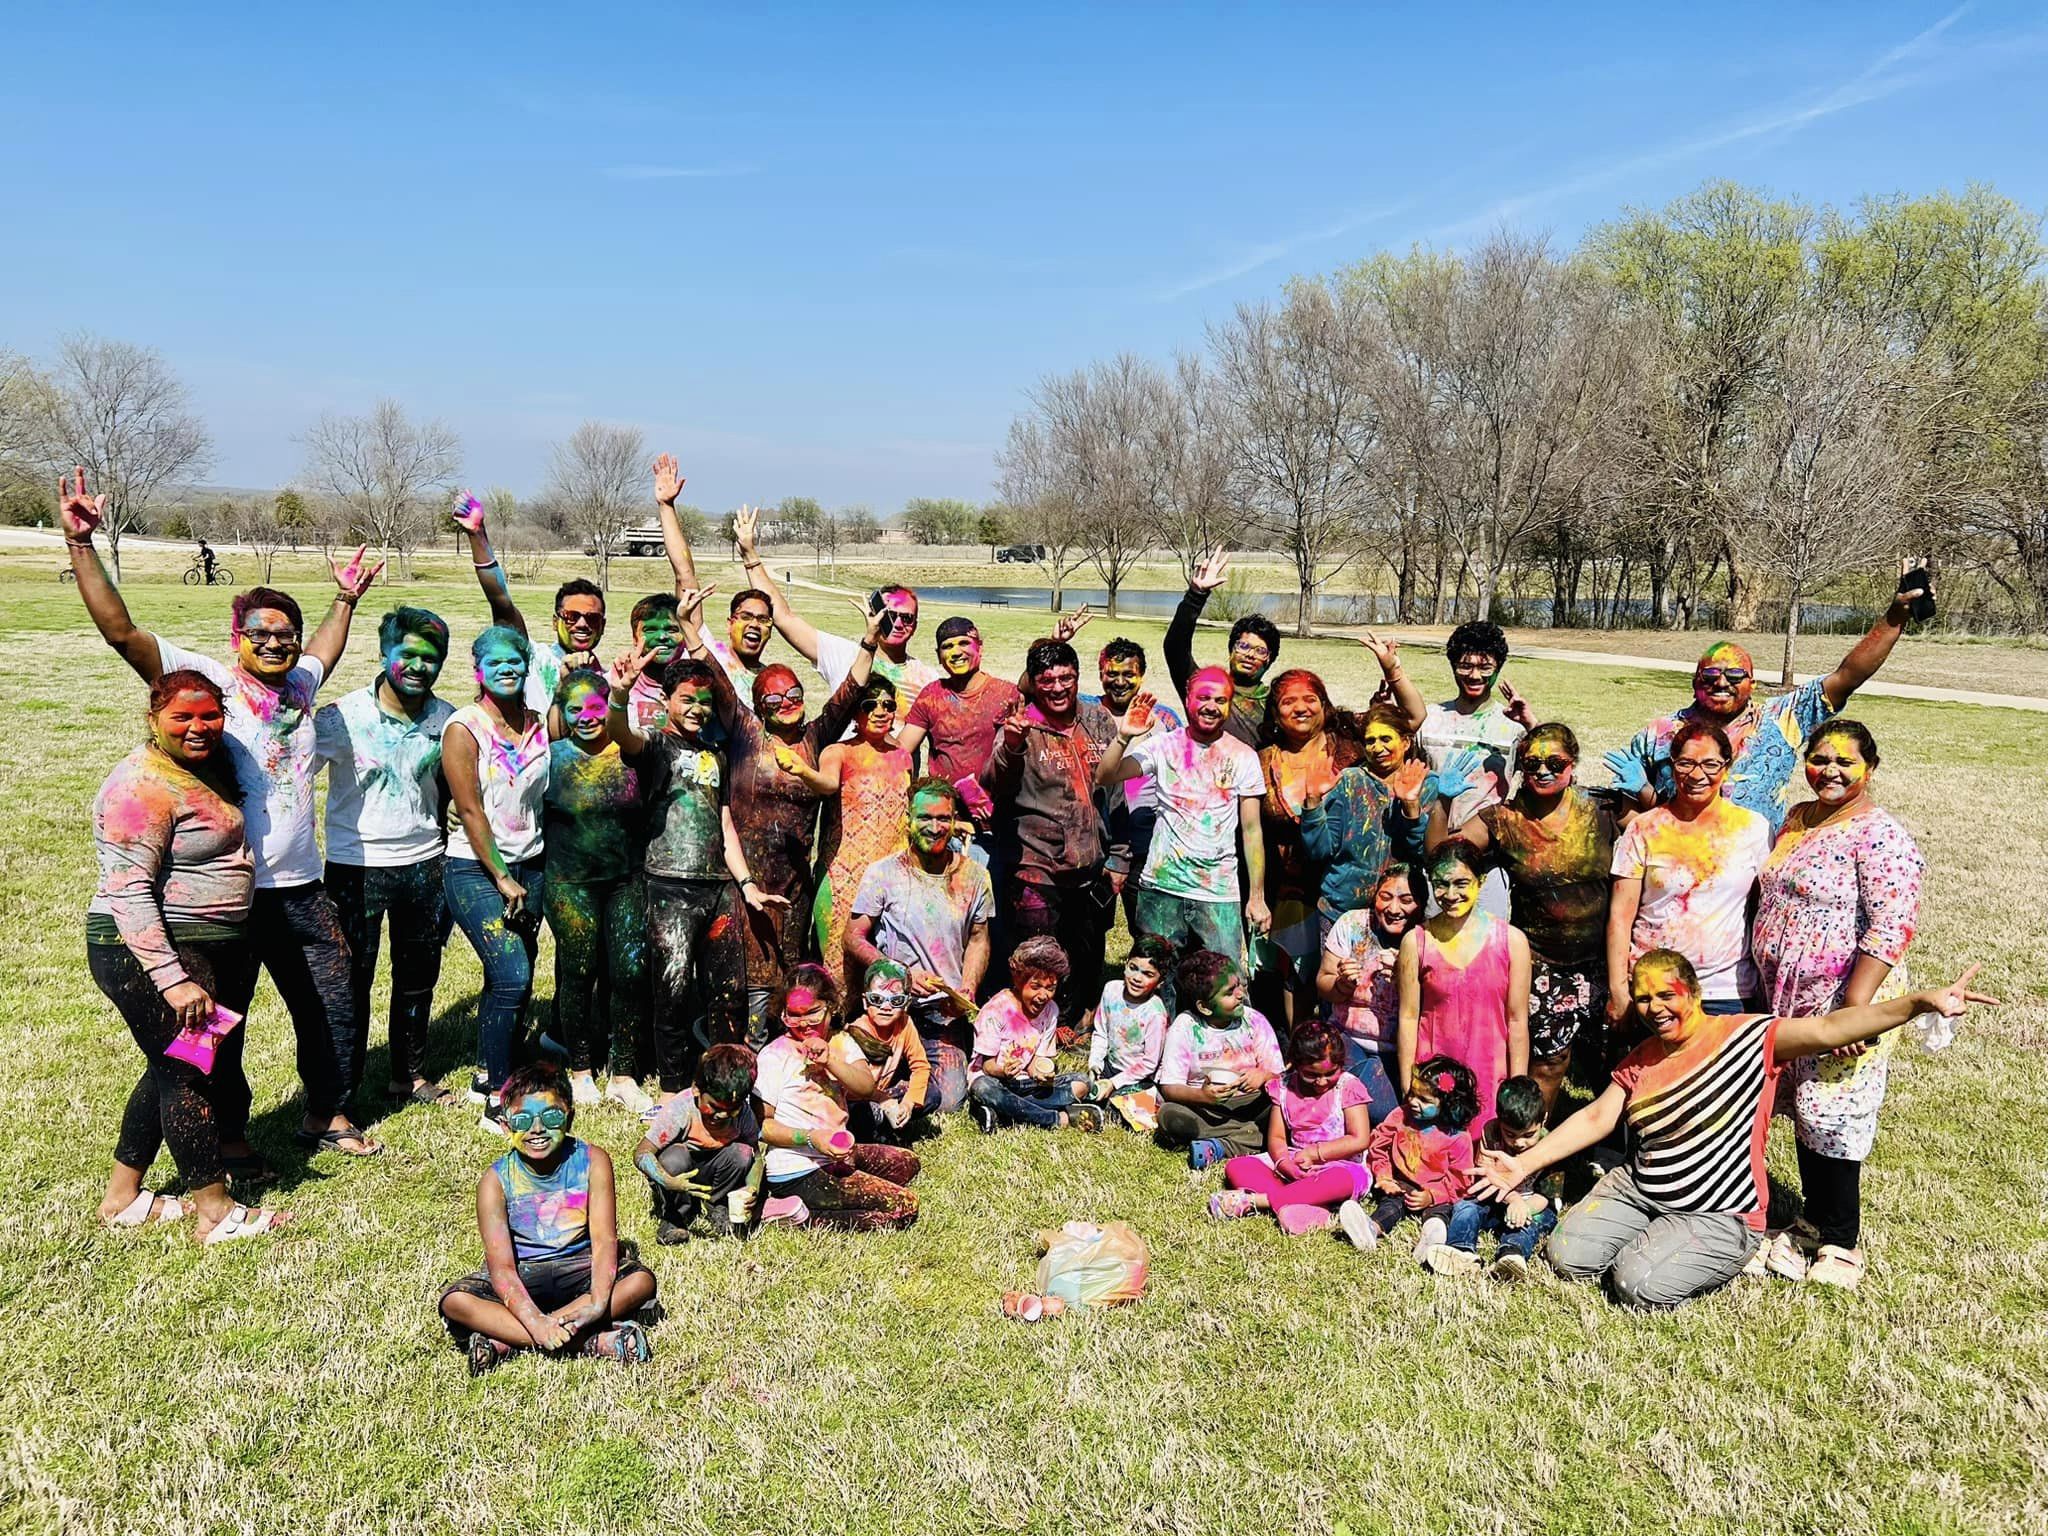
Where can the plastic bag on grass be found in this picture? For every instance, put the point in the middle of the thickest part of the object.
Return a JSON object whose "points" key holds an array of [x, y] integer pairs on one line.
{"points": [[1090, 1266]]}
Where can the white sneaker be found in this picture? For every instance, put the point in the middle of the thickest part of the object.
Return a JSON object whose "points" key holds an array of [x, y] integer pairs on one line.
{"points": [[1443, 1259], [623, 1090], [1358, 1226], [1435, 1234], [1509, 1267], [583, 1088]]}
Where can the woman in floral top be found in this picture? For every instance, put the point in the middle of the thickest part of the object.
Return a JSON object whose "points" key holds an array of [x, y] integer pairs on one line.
{"points": [[1840, 899]]}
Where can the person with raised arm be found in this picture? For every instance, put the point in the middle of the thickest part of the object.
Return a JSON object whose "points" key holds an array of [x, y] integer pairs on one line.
{"points": [[1254, 647], [293, 926], [579, 612], [834, 655], [751, 614], [774, 807], [1766, 735], [692, 861], [1686, 1214]]}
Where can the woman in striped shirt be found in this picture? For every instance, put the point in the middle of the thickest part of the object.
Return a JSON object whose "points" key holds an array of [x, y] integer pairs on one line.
{"points": [[1685, 1216]]}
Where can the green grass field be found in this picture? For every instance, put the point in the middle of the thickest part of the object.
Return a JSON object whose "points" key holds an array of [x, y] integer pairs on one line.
{"points": [[827, 1383]]}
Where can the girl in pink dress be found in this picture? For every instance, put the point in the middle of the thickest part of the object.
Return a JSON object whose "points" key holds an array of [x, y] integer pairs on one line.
{"points": [[1315, 1140], [1464, 978], [866, 785]]}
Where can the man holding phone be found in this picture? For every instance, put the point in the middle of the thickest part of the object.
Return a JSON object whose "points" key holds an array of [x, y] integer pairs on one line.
{"points": [[1766, 734]]}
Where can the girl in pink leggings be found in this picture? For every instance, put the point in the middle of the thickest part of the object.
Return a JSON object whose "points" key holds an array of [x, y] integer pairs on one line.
{"points": [[1315, 1140]]}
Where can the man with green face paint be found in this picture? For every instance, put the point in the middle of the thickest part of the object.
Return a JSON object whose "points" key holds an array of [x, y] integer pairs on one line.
{"points": [[658, 632], [381, 747], [1767, 735]]}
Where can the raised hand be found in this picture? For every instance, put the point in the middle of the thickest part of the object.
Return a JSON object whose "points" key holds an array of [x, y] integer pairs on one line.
{"points": [[668, 479], [870, 618], [690, 604], [1071, 624], [1013, 725], [1463, 770], [1407, 780], [1630, 776], [468, 512], [628, 666], [1905, 599], [1497, 1176], [1385, 652], [1137, 719], [1517, 707], [78, 513], [746, 522], [1210, 573], [351, 580]]}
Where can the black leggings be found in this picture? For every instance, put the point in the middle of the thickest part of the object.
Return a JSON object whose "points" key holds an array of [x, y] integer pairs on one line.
{"points": [[1831, 1191], [411, 896], [296, 935], [600, 929], [174, 1101], [696, 969]]}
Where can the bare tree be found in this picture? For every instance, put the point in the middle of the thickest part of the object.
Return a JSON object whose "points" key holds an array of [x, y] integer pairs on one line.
{"points": [[1195, 511], [1829, 461], [827, 528], [598, 479], [1307, 431], [253, 523], [118, 409], [859, 525], [388, 474], [1040, 507]]}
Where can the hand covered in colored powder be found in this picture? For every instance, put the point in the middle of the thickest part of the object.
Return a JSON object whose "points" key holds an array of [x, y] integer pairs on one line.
{"points": [[1408, 780], [1463, 770], [1137, 719], [1630, 776], [974, 797], [468, 511], [351, 580]]}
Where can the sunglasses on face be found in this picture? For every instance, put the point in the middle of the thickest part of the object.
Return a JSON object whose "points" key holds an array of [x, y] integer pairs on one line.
{"points": [[883, 999], [1731, 675], [879, 707], [1545, 764], [546, 1119], [581, 620], [794, 694]]}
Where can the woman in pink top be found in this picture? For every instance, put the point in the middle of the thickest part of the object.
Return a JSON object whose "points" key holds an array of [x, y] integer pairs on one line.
{"points": [[1464, 979]]}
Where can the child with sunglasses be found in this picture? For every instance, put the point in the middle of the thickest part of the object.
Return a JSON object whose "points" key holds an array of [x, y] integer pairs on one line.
{"points": [[700, 1148], [882, 1064], [817, 1172], [556, 1278]]}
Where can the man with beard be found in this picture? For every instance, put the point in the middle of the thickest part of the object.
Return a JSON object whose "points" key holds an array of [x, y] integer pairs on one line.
{"points": [[751, 614], [1254, 647], [958, 716]]}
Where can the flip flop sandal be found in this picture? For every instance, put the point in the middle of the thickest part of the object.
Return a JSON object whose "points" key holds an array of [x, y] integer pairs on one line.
{"points": [[625, 1342], [332, 1141], [242, 1222], [423, 1093], [142, 1211], [247, 1173]]}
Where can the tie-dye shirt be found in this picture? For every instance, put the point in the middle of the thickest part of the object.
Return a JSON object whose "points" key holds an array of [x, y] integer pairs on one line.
{"points": [[1768, 737], [383, 781], [1696, 879], [1204, 1054], [548, 1213], [270, 742], [1128, 1038], [924, 921], [512, 781], [1200, 786]]}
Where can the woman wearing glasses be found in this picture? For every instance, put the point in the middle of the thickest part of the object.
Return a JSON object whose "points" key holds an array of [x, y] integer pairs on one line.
{"points": [[1682, 877], [1555, 842]]}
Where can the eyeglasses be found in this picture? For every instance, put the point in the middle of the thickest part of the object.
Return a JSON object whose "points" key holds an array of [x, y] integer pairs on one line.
{"points": [[1698, 768], [794, 694], [1545, 764], [1733, 675], [271, 636], [883, 999], [547, 1119]]}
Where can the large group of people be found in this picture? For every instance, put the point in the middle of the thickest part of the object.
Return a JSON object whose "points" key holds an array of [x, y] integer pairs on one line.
{"points": [[1368, 946]]}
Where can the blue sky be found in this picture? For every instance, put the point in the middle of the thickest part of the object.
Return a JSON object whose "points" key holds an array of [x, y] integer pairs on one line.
{"points": [[826, 250]]}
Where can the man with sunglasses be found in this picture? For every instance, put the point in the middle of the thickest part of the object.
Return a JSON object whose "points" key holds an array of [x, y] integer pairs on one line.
{"points": [[1767, 734], [293, 925], [834, 655]]}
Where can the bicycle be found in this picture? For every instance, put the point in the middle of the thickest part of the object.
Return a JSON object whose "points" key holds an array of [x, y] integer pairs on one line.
{"points": [[196, 575]]}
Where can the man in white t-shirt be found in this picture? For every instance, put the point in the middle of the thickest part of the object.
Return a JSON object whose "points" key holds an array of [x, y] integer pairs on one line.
{"points": [[1208, 786], [834, 655], [1486, 716], [293, 926]]}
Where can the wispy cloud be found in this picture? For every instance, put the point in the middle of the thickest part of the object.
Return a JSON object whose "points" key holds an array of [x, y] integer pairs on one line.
{"points": [[1916, 61], [1272, 250], [673, 172]]}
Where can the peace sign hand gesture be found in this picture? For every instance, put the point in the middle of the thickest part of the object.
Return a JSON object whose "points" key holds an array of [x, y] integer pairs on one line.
{"points": [[870, 618], [78, 513], [1014, 724], [1954, 1000], [1385, 652], [1070, 624]]}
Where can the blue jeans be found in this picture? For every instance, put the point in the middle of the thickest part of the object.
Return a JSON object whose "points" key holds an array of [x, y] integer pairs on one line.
{"points": [[1186, 924], [507, 954], [1020, 1101], [1469, 1218], [1376, 1073]]}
